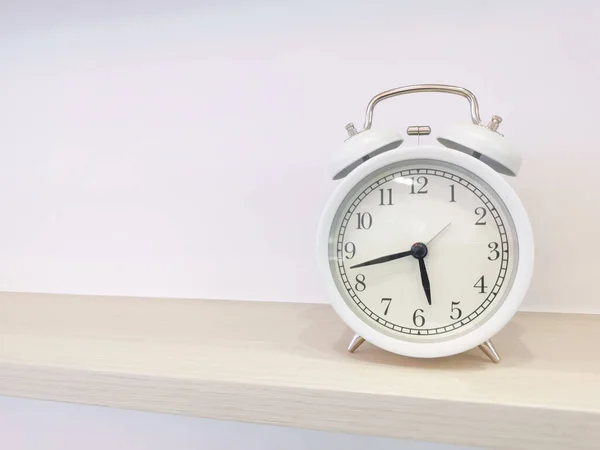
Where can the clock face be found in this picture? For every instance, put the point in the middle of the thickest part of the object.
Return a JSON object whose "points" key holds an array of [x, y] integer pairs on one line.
{"points": [[423, 250]]}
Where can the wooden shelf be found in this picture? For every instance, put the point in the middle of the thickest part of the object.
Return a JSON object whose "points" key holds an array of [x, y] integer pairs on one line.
{"points": [[286, 364]]}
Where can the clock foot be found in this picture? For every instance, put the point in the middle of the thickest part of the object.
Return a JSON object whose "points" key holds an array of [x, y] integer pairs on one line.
{"points": [[488, 348], [356, 342]]}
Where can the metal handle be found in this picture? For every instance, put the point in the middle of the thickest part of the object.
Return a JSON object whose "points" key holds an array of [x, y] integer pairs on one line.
{"points": [[444, 88]]}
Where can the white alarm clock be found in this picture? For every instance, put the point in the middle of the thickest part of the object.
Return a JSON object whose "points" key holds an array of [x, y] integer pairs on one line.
{"points": [[426, 251]]}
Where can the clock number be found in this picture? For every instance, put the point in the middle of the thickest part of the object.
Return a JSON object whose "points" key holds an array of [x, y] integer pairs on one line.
{"points": [[420, 180], [385, 197], [452, 193], [455, 313], [481, 285], [360, 283], [387, 308], [494, 253], [364, 221], [418, 319], [350, 250], [481, 212]]}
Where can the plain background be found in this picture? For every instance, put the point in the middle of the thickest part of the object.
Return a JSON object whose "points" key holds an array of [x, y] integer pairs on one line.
{"points": [[165, 149], [180, 149]]}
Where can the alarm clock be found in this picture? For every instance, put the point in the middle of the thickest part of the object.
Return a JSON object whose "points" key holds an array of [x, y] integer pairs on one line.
{"points": [[425, 250]]}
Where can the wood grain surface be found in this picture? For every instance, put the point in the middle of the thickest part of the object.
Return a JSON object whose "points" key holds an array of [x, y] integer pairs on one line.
{"points": [[287, 364]]}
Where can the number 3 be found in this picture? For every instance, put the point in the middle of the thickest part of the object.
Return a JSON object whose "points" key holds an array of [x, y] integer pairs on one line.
{"points": [[494, 253]]}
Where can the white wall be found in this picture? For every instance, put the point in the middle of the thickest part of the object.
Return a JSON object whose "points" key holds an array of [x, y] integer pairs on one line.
{"points": [[167, 149], [60, 426]]}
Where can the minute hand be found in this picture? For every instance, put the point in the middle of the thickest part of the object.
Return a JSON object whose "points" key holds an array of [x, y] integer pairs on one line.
{"points": [[383, 259]]}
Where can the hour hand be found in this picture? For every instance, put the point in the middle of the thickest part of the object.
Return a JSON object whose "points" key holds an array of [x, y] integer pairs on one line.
{"points": [[383, 259], [425, 280]]}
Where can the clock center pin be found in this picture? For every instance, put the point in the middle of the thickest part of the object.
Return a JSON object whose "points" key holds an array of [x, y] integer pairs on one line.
{"points": [[419, 250]]}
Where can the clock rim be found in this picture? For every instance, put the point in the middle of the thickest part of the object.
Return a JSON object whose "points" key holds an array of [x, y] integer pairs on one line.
{"points": [[460, 343]]}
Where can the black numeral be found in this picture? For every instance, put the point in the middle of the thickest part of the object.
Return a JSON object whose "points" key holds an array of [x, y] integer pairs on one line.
{"points": [[481, 285], [418, 319], [481, 212], [387, 308], [360, 283], [455, 312], [350, 250], [494, 253], [385, 197], [364, 221], [422, 181], [452, 193]]}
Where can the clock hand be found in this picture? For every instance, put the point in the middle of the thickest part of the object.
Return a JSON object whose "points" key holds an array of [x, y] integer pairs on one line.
{"points": [[419, 251], [383, 259], [394, 256], [438, 233], [425, 279]]}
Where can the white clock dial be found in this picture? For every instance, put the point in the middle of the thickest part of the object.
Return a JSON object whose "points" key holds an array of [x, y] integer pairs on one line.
{"points": [[423, 250]]}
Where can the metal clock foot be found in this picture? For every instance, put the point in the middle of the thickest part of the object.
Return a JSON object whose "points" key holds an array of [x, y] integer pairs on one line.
{"points": [[356, 342], [488, 348]]}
